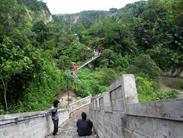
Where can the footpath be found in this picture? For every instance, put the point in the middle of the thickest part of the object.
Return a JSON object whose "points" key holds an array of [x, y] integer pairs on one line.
{"points": [[69, 129]]}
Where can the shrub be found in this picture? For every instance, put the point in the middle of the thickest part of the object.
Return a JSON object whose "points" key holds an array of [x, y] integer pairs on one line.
{"points": [[42, 90], [94, 82], [147, 91], [144, 64]]}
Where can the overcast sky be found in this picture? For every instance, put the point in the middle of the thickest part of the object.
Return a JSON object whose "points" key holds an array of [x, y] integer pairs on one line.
{"points": [[74, 6]]}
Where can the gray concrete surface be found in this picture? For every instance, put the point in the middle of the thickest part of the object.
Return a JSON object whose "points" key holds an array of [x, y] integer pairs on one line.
{"points": [[117, 114], [36, 124], [30, 125], [69, 130]]}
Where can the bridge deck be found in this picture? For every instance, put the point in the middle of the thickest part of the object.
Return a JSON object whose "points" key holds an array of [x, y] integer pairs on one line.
{"points": [[69, 129]]}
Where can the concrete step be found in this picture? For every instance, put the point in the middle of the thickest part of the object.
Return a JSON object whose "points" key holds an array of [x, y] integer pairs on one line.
{"points": [[69, 130]]}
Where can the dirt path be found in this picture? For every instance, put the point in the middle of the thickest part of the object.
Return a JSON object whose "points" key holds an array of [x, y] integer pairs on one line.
{"points": [[67, 95]]}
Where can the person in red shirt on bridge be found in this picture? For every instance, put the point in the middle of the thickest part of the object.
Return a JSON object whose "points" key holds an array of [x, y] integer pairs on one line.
{"points": [[101, 50], [75, 68]]}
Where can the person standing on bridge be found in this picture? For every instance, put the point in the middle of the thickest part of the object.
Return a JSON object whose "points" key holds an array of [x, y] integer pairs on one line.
{"points": [[54, 115], [84, 126], [75, 68], [96, 52]]}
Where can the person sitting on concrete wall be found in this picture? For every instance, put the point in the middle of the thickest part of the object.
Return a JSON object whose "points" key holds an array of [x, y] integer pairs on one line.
{"points": [[84, 126]]}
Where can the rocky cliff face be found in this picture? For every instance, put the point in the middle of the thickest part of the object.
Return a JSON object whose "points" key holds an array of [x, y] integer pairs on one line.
{"points": [[46, 16], [42, 15], [73, 18], [36, 10], [85, 17]]}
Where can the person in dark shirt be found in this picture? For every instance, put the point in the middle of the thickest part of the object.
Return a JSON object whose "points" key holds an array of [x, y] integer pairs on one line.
{"points": [[54, 115], [84, 126]]}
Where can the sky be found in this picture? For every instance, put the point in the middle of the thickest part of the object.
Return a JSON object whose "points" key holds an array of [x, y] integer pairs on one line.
{"points": [[74, 6]]}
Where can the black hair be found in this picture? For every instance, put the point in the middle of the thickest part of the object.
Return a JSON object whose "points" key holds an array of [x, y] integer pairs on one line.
{"points": [[83, 115], [55, 103]]}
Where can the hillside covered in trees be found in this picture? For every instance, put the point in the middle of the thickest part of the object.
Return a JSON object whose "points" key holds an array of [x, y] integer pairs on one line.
{"points": [[36, 51]]}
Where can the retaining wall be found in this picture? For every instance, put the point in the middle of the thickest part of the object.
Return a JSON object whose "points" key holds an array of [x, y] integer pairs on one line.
{"points": [[118, 114], [35, 124]]}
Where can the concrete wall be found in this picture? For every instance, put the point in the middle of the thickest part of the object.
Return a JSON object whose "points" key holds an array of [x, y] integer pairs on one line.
{"points": [[29, 125], [34, 124], [117, 114]]}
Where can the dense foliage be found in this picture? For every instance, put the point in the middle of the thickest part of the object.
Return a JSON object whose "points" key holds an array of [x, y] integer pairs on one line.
{"points": [[147, 91], [144, 38], [33, 4]]}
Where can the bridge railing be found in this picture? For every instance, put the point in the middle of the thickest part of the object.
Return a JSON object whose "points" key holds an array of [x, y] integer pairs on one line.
{"points": [[80, 103], [88, 61]]}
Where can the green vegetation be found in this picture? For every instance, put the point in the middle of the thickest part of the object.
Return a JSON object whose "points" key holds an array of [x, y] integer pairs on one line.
{"points": [[144, 64], [147, 91], [144, 38], [44, 86], [94, 82]]}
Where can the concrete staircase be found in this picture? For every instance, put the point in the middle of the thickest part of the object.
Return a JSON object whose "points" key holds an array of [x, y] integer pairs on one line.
{"points": [[69, 130]]}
